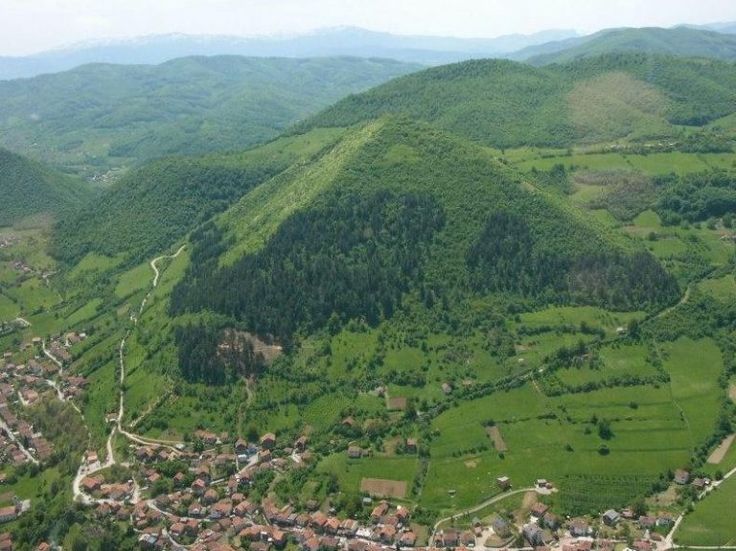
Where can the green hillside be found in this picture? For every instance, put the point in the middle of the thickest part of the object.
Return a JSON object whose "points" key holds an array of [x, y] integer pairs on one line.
{"points": [[150, 208], [399, 208], [29, 188], [506, 104], [680, 41], [100, 116]]}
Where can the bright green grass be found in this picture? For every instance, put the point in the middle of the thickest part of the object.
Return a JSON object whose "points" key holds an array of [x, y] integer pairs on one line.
{"points": [[9, 310], [654, 163], [258, 214], [618, 362], [648, 440], [33, 295], [350, 472], [84, 313], [575, 315], [134, 280], [712, 521], [724, 288], [694, 368], [94, 263], [102, 398]]}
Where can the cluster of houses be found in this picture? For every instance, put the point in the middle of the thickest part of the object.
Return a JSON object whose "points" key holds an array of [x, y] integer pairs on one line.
{"points": [[19, 442], [206, 504], [546, 529]]}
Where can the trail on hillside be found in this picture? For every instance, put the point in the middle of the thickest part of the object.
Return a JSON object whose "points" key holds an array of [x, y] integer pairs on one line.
{"points": [[87, 470]]}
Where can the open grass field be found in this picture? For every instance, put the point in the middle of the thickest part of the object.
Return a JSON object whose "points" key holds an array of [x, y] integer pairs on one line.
{"points": [[712, 521], [9, 310], [654, 163], [137, 279], [351, 473], [723, 288], [575, 315], [694, 368]]}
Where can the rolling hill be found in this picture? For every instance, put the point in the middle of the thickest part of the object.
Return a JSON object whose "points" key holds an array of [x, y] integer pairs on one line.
{"points": [[397, 207], [678, 41], [341, 41], [30, 189], [506, 104], [99, 117], [150, 208]]}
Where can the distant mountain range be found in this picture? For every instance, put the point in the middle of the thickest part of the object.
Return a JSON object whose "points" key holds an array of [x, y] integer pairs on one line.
{"points": [[343, 41]]}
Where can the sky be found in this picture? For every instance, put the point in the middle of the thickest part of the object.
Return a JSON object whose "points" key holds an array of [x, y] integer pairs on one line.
{"points": [[28, 26]]}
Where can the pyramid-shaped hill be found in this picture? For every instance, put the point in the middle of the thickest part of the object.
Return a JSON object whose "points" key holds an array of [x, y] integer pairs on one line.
{"points": [[398, 207]]}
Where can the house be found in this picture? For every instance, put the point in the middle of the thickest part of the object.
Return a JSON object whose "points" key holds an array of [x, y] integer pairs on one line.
{"points": [[682, 477], [411, 445], [501, 527], [450, 538], [91, 483], [533, 534], [241, 447], [301, 444], [503, 482], [354, 452], [268, 440], [379, 511], [665, 520], [539, 509], [699, 484], [551, 521], [647, 522], [579, 528], [408, 539], [611, 518], [8, 513], [446, 388]]}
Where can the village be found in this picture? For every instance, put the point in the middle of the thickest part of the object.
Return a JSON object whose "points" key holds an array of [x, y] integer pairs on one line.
{"points": [[204, 495]]}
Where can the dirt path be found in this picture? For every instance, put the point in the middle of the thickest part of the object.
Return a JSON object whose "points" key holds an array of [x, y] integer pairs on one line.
{"points": [[87, 470], [720, 452], [477, 508]]}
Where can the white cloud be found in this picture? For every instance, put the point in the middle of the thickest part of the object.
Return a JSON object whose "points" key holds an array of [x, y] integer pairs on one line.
{"points": [[32, 25]]}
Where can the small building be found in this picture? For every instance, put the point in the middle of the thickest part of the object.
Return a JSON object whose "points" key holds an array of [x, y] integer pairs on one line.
{"points": [[268, 440], [682, 477], [503, 482], [611, 518]]}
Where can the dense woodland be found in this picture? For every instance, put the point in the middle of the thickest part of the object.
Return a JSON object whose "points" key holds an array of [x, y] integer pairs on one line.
{"points": [[29, 188], [506, 258], [352, 258], [103, 116], [506, 104]]}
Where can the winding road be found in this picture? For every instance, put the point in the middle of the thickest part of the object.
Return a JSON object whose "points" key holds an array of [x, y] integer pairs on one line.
{"points": [[87, 470], [476, 508]]}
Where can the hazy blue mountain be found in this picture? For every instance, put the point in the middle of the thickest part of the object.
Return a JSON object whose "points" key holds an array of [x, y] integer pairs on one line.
{"points": [[328, 42]]}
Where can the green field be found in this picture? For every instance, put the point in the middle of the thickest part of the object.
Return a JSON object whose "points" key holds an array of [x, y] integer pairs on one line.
{"points": [[712, 521], [350, 472]]}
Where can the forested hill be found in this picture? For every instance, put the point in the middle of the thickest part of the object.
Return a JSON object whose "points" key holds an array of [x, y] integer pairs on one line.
{"points": [[150, 208], [28, 188], [100, 116], [506, 104], [679, 41], [394, 208]]}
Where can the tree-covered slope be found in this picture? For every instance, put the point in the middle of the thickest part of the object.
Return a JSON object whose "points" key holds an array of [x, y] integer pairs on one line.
{"points": [[101, 116], [29, 188], [400, 208], [152, 207], [507, 104], [679, 41]]}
